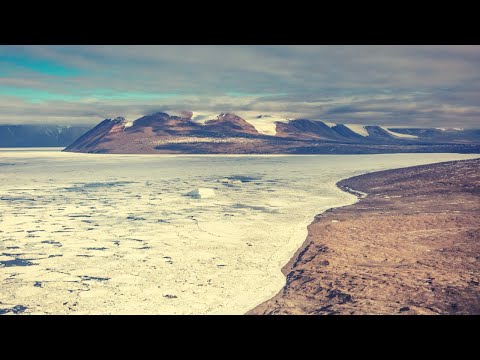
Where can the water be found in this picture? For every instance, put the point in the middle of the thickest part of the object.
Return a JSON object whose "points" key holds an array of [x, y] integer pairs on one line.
{"points": [[103, 234]]}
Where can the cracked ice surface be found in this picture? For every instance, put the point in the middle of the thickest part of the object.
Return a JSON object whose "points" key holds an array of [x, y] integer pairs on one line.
{"points": [[115, 234]]}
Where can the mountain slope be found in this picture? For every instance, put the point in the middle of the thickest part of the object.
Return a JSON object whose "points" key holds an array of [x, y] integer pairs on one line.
{"points": [[305, 129], [93, 137], [230, 124], [348, 133]]}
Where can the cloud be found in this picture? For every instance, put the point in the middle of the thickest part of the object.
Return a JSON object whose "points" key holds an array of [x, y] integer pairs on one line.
{"points": [[387, 85]]}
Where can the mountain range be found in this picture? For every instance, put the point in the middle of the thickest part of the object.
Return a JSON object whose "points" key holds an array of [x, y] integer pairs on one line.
{"points": [[231, 134], [39, 135]]}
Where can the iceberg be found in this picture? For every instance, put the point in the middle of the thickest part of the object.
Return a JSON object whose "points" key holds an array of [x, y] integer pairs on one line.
{"points": [[202, 193]]}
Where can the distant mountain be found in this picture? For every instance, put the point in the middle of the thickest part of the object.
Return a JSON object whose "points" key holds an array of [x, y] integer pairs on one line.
{"points": [[39, 135], [230, 134], [304, 129], [442, 135]]}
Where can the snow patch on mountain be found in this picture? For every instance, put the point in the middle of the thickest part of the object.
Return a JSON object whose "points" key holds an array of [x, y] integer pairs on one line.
{"points": [[127, 124], [359, 129], [201, 118], [446, 129], [54, 131], [265, 124], [400, 135]]}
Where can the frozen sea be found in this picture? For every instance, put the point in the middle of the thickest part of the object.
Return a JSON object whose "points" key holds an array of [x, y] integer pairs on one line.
{"points": [[115, 234]]}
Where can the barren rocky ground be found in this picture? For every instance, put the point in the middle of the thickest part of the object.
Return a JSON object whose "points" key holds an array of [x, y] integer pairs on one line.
{"points": [[412, 246]]}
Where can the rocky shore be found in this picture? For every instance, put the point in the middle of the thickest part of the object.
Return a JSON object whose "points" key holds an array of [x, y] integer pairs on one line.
{"points": [[410, 246]]}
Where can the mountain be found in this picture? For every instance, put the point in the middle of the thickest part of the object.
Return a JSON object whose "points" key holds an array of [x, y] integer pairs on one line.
{"points": [[304, 129], [442, 135], [230, 124], [93, 136], [39, 135], [230, 134]]}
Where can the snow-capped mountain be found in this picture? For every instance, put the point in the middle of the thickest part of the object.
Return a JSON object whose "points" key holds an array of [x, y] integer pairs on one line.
{"points": [[188, 132]]}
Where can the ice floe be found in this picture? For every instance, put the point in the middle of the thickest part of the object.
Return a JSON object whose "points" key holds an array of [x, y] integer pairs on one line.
{"points": [[202, 193]]}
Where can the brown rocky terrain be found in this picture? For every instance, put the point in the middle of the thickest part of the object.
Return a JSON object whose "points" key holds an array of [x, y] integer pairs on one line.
{"points": [[411, 246], [226, 123]]}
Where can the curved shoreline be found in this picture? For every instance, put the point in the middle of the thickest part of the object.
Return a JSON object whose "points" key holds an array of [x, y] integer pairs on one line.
{"points": [[406, 231]]}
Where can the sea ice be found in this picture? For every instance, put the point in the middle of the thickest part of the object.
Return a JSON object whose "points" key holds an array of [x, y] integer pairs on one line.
{"points": [[174, 255], [230, 181]]}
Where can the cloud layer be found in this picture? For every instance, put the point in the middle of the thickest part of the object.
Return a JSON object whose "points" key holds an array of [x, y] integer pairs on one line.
{"points": [[386, 85]]}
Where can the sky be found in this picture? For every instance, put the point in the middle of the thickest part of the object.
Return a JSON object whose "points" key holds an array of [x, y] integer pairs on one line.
{"points": [[417, 86]]}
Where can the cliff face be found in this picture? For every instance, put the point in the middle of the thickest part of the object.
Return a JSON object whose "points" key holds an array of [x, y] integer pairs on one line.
{"points": [[410, 247]]}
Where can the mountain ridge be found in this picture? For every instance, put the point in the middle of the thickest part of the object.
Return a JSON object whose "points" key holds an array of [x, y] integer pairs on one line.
{"points": [[229, 133], [13, 136]]}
